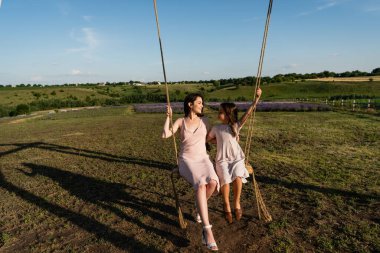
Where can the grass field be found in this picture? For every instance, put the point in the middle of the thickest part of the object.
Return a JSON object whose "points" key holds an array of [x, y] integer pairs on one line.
{"points": [[98, 181]]}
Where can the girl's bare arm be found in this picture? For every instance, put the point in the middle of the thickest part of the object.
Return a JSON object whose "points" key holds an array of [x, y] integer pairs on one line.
{"points": [[244, 118], [211, 137]]}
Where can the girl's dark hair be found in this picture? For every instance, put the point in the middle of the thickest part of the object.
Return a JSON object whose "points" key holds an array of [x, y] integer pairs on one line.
{"points": [[231, 112], [190, 98]]}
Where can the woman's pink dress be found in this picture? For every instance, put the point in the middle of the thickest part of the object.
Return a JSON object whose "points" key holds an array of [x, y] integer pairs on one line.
{"points": [[194, 163]]}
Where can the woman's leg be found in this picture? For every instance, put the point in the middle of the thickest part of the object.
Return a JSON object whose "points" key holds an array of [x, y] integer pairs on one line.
{"points": [[237, 186], [210, 188], [203, 211]]}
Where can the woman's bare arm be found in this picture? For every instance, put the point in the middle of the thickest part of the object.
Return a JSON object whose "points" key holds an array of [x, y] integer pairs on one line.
{"points": [[167, 132]]}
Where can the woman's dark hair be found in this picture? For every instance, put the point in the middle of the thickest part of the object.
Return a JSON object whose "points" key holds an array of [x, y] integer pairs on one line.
{"points": [[231, 112], [190, 98]]}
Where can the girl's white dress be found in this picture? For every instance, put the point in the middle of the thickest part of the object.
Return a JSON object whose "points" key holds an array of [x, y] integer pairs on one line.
{"points": [[229, 161]]}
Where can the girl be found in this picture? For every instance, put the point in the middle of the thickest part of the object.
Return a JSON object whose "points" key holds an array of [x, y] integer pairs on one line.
{"points": [[229, 161], [194, 163]]}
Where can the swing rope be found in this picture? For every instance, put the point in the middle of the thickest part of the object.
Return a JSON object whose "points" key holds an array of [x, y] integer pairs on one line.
{"points": [[260, 202], [261, 207], [181, 220]]}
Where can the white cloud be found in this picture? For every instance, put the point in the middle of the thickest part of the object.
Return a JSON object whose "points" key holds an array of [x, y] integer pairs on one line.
{"points": [[334, 55], [372, 9], [89, 40], [248, 20], [64, 8], [291, 66], [205, 73], [76, 72], [36, 78], [326, 5], [0, 3], [87, 18]]}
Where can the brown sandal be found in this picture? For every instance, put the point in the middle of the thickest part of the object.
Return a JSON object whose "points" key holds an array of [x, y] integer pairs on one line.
{"points": [[228, 217], [238, 214], [227, 214]]}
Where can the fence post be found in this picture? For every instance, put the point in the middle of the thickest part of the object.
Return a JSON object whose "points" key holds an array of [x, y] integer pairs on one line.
{"points": [[353, 105], [369, 103]]}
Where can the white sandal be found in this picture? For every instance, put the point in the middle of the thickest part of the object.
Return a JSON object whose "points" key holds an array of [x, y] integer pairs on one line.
{"points": [[198, 218], [211, 245], [197, 215]]}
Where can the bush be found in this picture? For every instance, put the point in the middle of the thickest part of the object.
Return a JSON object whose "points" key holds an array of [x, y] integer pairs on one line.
{"points": [[12, 113], [22, 109], [4, 112], [216, 84], [36, 94], [241, 98]]}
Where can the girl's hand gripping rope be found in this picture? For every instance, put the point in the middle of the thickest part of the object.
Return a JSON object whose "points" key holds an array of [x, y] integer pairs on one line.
{"points": [[169, 111]]}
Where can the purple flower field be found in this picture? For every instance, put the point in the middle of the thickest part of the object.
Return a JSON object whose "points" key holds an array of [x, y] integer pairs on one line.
{"points": [[158, 107], [242, 106]]}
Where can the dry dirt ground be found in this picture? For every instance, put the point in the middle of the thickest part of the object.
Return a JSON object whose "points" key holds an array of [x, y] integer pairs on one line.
{"points": [[99, 182]]}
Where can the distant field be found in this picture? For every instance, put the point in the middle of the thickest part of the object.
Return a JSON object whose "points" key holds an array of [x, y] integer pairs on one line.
{"points": [[307, 89], [98, 181], [18, 95], [46, 98], [347, 79], [15, 96]]}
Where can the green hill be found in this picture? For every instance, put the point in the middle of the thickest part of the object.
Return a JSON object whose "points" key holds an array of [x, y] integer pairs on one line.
{"points": [[53, 97]]}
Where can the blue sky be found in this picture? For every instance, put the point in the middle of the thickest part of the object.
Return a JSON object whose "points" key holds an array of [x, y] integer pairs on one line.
{"points": [[65, 41]]}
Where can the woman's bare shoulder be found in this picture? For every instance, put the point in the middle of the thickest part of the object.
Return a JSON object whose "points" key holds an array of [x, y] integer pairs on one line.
{"points": [[179, 121], [205, 119]]}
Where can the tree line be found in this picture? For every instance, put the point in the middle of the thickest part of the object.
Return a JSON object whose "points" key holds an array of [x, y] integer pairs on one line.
{"points": [[244, 81]]}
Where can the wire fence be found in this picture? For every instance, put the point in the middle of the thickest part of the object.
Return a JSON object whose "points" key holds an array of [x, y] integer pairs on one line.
{"points": [[371, 104]]}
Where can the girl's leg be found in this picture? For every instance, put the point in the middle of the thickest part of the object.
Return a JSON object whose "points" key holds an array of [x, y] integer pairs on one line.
{"points": [[238, 184], [226, 203], [226, 197], [203, 211]]}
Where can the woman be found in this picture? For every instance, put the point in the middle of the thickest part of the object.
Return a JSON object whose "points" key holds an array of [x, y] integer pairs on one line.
{"points": [[194, 163]]}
